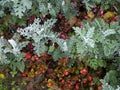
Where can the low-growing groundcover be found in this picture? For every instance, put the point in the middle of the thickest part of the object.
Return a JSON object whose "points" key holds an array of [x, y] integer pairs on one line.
{"points": [[59, 45]]}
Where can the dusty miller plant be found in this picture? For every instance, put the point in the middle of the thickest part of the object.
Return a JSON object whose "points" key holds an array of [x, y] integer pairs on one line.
{"points": [[40, 34], [98, 39], [10, 53]]}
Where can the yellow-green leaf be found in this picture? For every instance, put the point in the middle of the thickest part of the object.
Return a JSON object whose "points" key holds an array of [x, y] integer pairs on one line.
{"points": [[2, 76]]}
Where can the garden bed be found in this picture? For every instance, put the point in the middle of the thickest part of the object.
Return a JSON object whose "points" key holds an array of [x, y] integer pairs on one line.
{"points": [[59, 45]]}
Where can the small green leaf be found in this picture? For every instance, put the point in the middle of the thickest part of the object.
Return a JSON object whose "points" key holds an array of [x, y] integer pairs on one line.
{"points": [[51, 48], [21, 66], [13, 73], [106, 7], [52, 12], [13, 82]]}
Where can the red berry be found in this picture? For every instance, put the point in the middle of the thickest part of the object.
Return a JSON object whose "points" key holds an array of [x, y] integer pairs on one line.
{"points": [[84, 71], [56, 44], [91, 83], [116, 18], [33, 67], [65, 30], [33, 17], [69, 85], [28, 55], [63, 36], [84, 81], [79, 80], [113, 19], [48, 58], [101, 12], [80, 25], [43, 16], [61, 60], [95, 7], [107, 21], [67, 58], [18, 28], [36, 57], [24, 74], [44, 54], [66, 72], [49, 70], [99, 87], [41, 69], [63, 81], [30, 46], [66, 21], [49, 84], [60, 16], [77, 87], [86, 17], [89, 78]]}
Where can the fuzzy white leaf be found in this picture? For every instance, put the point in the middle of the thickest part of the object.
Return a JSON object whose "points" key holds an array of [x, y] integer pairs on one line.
{"points": [[90, 32], [109, 32], [13, 43], [90, 42], [15, 49], [118, 88], [40, 31], [63, 3], [21, 6], [65, 48]]}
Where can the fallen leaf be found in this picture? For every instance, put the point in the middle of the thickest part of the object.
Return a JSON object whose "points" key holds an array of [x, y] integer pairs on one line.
{"points": [[73, 20], [2, 76], [109, 14], [67, 2], [91, 15]]}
